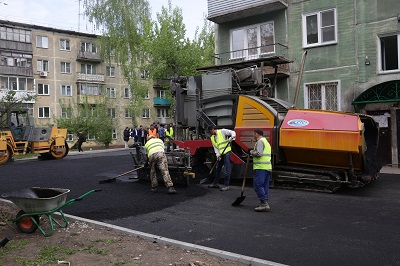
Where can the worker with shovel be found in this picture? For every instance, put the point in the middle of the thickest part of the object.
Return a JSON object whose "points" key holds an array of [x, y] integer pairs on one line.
{"points": [[221, 140], [262, 169]]}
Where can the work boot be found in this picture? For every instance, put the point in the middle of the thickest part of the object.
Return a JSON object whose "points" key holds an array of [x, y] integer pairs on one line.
{"points": [[212, 185], [153, 189], [224, 188], [171, 190], [263, 207]]}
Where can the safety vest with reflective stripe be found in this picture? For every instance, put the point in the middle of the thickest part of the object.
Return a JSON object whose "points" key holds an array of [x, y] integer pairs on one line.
{"points": [[220, 142], [264, 161], [154, 145], [169, 133]]}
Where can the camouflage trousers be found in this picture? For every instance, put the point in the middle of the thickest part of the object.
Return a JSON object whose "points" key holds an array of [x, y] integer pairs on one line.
{"points": [[159, 160]]}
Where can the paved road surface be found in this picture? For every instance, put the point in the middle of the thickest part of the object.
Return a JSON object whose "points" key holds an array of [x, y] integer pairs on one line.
{"points": [[351, 227]]}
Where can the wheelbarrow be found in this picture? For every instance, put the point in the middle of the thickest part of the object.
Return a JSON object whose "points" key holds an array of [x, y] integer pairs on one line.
{"points": [[37, 201]]}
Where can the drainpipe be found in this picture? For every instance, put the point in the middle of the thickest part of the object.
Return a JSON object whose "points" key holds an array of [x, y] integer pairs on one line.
{"points": [[296, 95]]}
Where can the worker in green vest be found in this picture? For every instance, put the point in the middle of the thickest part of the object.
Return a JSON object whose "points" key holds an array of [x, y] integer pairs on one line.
{"points": [[157, 159], [262, 169], [221, 140], [169, 138]]}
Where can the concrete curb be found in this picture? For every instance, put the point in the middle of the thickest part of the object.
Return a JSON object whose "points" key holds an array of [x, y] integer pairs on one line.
{"points": [[163, 240]]}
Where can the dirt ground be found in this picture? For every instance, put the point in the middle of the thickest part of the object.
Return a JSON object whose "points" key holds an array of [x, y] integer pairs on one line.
{"points": [[86, 244]]}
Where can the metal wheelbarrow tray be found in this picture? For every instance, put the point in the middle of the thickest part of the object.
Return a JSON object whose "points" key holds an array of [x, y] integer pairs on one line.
{"points": [[37, 201]]}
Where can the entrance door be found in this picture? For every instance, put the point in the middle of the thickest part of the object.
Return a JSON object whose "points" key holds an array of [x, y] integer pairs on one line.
{"points": [[384, 152]]}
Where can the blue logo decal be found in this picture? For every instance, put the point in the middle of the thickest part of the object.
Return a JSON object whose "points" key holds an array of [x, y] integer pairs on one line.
{"points": [[298, 123]]}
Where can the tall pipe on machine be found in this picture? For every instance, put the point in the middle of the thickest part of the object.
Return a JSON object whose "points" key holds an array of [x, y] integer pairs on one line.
{"points": [[296, 95]]}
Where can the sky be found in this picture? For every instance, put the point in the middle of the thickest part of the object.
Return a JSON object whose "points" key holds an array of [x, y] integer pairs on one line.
{"points": [[64, 14]]}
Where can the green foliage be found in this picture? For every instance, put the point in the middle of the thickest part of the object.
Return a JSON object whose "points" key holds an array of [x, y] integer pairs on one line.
{"points": [[11, 101], [169, 52], [123, 22], [93, 119]]}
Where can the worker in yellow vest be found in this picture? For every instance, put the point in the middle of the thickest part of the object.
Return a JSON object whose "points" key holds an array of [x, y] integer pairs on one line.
{"points": [[221, 140], [157, 159], [262, 169], [169, 138]]}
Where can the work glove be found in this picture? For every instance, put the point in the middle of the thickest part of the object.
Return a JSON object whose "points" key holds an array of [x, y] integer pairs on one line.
{"points": [[231, 139], [219, 158]]}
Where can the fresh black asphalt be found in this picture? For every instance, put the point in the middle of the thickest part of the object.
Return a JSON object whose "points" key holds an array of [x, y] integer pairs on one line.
{"points": [[349, 227]]}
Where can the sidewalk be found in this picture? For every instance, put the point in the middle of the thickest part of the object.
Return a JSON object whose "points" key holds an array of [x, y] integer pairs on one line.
{"points": [[390, 170]]}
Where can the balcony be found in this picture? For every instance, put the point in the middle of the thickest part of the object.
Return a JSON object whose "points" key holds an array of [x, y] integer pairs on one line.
{"points": [[90, 99], [269, 55], [90, 77], [20, 95], [221, 11], [16, 46], [88, 56], [16, 71], [157, 101]]}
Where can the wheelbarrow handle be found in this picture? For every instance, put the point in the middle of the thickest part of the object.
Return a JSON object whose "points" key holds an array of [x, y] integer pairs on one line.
{"points": [[86, 194]]}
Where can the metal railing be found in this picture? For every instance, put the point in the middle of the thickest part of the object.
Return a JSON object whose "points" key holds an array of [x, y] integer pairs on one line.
{"points": [[242, 55]]}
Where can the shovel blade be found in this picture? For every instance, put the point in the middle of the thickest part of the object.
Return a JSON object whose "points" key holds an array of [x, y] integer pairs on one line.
{"points": [[238, 201]]}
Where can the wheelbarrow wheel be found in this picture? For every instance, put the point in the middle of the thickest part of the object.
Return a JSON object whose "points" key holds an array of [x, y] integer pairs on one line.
{"points": [[25, 224]]}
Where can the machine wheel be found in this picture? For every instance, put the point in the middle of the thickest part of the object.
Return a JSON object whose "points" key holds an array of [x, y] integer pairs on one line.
{"points": [[58, 154], [6, 157], [25, 224]]}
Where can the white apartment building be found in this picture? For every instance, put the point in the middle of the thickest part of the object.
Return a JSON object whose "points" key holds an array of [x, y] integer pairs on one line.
{"points": [[65, 66]]}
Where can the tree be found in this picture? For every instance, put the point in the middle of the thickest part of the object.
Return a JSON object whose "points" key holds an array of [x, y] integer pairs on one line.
{"points": [[169, 52], [11, 101], [123, 23], [95, 119]]}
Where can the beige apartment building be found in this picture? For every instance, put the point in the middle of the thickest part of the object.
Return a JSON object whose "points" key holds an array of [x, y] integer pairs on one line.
{"points": [[61, 66]]}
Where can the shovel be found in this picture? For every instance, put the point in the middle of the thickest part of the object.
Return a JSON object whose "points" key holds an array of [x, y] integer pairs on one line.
{"points": [[202, 181], [241, 198], [114, 179]]}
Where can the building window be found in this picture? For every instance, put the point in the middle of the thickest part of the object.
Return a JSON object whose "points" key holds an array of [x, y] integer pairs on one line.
{"points": [[43, 65], [44, 112], [91, 136], [88, 69], [70, 137], [13, 34], [64, 45], [111, 112], [127, 93], [114, 134], [161, 93], [66, 90], [253, 41], [128, 113], [320, 28], [89, 89], [111, 92], [162, 113], [144, 74], [66, 113], [88, 47], [42, 41], [65, 67], [322, 96], [389, 47], [43, 89], [147, 96], [146, 113], [110, 71]]}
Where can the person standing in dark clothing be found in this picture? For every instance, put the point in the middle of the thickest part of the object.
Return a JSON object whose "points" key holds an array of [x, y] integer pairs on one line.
{"points": [[81, 139], [126, 137]]}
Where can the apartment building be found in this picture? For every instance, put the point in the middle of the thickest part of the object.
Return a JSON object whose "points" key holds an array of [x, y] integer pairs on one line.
{"points": [[61, 66], [352, 54]]}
